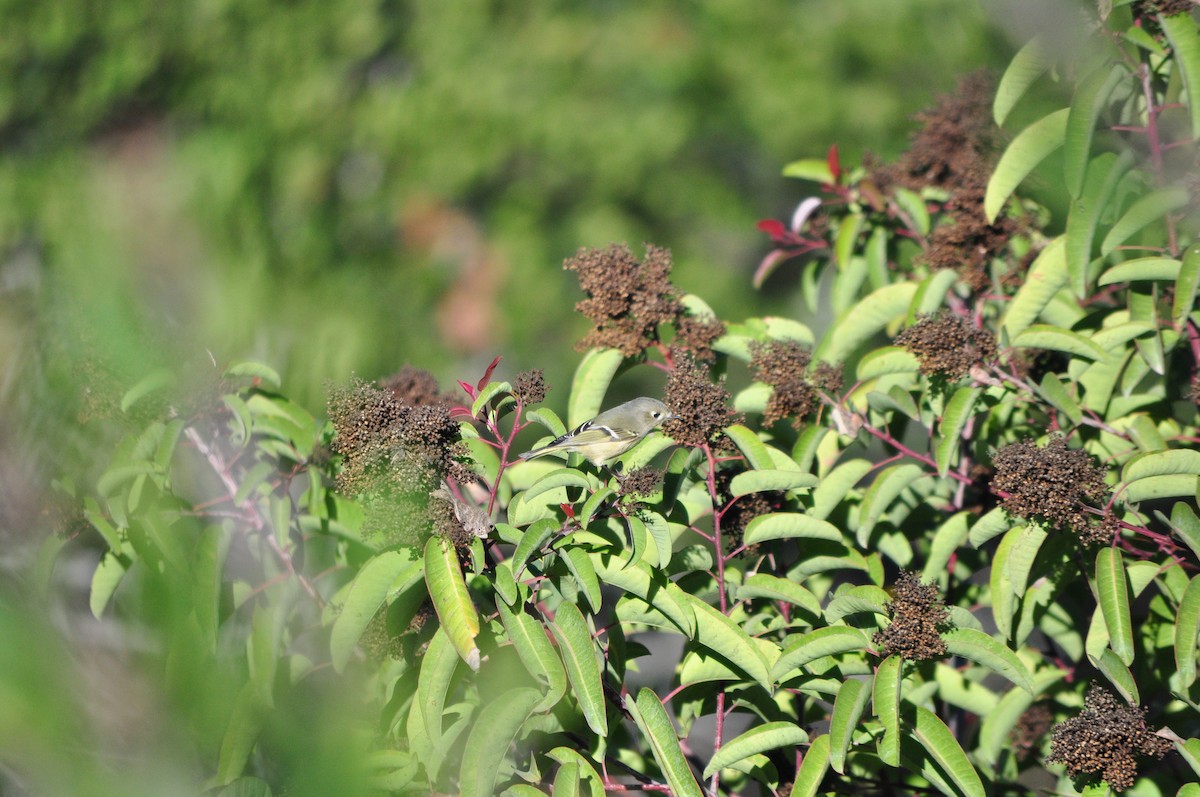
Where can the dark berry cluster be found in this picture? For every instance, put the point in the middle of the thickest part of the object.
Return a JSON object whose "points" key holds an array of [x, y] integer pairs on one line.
{"points": [[1105, 740], [530, 386], [1031, 728], [415, 386], [917, 618], [700, 406], [946, 345], [786, 366], [628, 300], [1053, 484]]}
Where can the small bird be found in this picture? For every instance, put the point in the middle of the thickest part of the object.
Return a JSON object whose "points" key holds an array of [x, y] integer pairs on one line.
{"points": [[611, 433]]}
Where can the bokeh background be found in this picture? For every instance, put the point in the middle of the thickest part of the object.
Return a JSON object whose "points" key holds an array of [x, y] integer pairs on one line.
{"points": [[339, 188]]}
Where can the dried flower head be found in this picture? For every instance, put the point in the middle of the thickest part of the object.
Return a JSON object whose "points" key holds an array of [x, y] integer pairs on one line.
{"points": [[917, 618], [696, 333], [1105, 739], [946, 345], [1031, 727], [1050, 484], [415, 386], [530, 386], [394, 455], [627, 299], [700, 406], [784, 365], [640, 483]]}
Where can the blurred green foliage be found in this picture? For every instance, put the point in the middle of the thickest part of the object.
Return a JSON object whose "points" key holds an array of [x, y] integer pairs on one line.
{"points": [[343, 187]]}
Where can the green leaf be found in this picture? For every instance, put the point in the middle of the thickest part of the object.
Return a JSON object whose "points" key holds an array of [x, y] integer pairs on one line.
{"points": [[1112, 585], [1149, 208], [751, 447], [937, 740], [548, 418], [487, 746], [532, 542], [996, 727], [825, 641], [1190, 751], [651, 586], [264, 375], [864, 320], [993, 523], [1045, 278], [885, 699], [759, 739], [1090, 98], [1103, 176], [760, 481], [433, 682], [1186, 285], [108, 576], [1022, 555], [583, 664], [814, 169], [152, 383], [718, 633], [448, 592], [954, 420], [762, 585], [985, 650], [368, 591], [847, 708], [1117, 674], [1026, 67], [241, 734], [882, 492], [1187, 626], [836, 484], [587, 772], [560, 477], [946, 541], [652, 720], [1054, 391], [1155, 487], [1142, 268], [888, 360], [536, 653], [1042, 336], [592, 378], [1187, 526], [1029, 148], [1161, 463], [580, 565], [789, 525], [1185, 44], [812, 770]]}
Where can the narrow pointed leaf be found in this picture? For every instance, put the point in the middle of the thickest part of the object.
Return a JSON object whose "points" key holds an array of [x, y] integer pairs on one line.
{"points": [[825, 641], [759, 739], [1043, 336], [448, 592], [847, 709], [1118, 675], [864, 320], [487, 746], [1185, 43], [812, 768], [433, 682], [1046, 277], [789, 525], [1104, 174], [759, 481], [954, 419], [751, 446], [654, 724], [592, 378], [985, 650], [1026, 67], [528, 636], [1027, 150], [582, 663], [885, 700], [1187, 626], [1112, 584], [933, 735], [1161, 463], [370, 588], [1149, 208], [1089, 100], [1186, 285], [718, 633]]}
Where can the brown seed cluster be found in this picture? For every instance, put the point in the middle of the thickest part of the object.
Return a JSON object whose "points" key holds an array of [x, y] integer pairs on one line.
{"points": [[530, 386], [415, 386], [1051, 484], [786, 366], [951, 152], [917, 618], [1168, 8], [1105, 739], [1031, 727], [394, 455], [946, 345], [628, 300], [700, 406]]}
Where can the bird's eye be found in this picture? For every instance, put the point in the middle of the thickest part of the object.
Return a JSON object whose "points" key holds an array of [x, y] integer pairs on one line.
{"points": [[656, 414]]}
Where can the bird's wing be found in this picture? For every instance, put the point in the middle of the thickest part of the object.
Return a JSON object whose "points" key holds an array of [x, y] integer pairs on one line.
{"points": [[591, 433]]}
